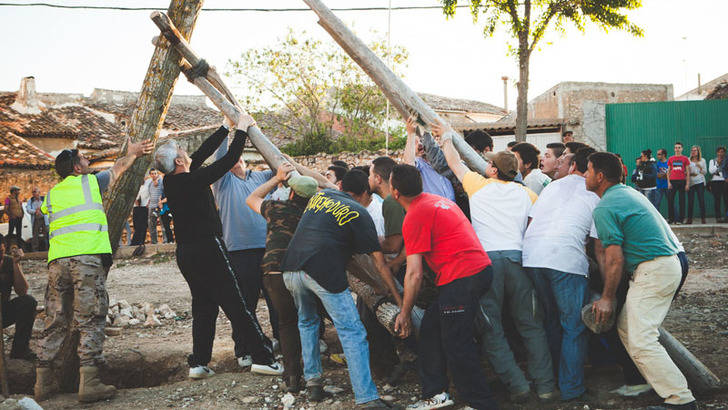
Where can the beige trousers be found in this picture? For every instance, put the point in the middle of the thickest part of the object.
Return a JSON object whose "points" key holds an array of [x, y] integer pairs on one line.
{"points": [[648, 300]]}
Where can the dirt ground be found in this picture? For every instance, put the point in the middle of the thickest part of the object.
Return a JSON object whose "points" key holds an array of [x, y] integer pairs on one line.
{"points": [[150, 363]]}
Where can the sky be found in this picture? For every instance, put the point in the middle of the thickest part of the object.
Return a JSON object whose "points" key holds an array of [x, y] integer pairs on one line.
{"points": [[76, 51]]}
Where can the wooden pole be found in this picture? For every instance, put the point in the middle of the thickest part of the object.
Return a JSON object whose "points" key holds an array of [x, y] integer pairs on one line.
{"points": [[148, 115], [699, 377], [363, 274], [397, 92]]}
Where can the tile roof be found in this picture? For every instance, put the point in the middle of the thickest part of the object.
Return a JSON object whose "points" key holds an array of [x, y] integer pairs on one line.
{"points": [[179, 116], [720, 92], [16, 152], [440, 103]]}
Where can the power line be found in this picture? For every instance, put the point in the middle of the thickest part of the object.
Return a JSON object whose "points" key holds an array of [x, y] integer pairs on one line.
{"points": [[264, 10]]}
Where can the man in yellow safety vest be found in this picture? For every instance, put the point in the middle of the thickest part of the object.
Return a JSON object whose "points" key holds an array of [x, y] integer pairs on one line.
{"points": [[79, 257]]}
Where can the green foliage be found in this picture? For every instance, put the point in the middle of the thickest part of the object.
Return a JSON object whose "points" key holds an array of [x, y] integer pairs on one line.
{"points": [[316, 91], [312, 144]]}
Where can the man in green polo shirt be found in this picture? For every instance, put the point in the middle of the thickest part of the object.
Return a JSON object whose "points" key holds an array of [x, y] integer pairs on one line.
{"points": [[635, 238]]}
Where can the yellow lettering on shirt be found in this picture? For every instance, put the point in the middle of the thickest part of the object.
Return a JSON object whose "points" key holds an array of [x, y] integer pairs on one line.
{"points": [[341, 212]]}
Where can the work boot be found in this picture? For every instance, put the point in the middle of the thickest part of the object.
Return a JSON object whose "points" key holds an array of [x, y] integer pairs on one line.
{"points": [[702, 221], [90, 388], [689, 222], [46, 384]]}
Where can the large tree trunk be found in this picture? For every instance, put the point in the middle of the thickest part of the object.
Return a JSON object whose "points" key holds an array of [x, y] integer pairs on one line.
{"points": [[397, 92], [522, 103], [148, 115]]}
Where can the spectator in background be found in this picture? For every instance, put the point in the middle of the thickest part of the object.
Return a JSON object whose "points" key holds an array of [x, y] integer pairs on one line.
{"points": [[567, 136], [414, 154], [14, 211], [140, 215], [550, 160], [39, 242], [678, 182], [20, 310], [156, 191], [335, 174], [528, 165], [718, 184], [697, 169], [573, 146], [662, 170], [166, 217], [480, 141], [624, 169], [645, 176], [356, 184]]}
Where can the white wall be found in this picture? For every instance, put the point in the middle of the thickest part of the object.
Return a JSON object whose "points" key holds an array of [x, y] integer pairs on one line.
{"points": [[500, 142]]}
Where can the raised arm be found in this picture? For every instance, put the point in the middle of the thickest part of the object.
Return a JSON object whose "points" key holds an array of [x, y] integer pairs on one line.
{"points": [[451, 154], [322, 181], [208, 147], [256, 198], [133, 151], [410, 148], [217, 169]]}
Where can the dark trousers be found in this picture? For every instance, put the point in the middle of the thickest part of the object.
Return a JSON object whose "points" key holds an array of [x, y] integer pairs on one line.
{"points": [[288, 336], [678, 188], [139, 218], [166, 220], [21, 312], [15, 224], [206, 268], [699, 190], [720, 193], [246, 264], [447, 341]]}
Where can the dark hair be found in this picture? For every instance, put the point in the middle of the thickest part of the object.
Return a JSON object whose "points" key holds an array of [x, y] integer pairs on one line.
{"points": [[565, 133], [382, 166], [355, 181], [480, 140], [338, 171], [512, 143], [608, 164], [581, 158], [363, 168], [720, 148], [341, 164], [152, 169], [647, 152], [557, 147], [65, 161], [679, 143], [574, 146], [407, 180], [664, 151], [528, 152]]}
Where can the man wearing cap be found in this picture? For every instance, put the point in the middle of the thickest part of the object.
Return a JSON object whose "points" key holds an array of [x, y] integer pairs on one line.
{"points": [[499, 213], [14, 210], [79, 257], [282, 218]]}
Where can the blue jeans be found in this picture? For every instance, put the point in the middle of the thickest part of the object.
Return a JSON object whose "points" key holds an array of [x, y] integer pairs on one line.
{"points": [[659, 194], [352, 335], [651, 195], [562, 296]]}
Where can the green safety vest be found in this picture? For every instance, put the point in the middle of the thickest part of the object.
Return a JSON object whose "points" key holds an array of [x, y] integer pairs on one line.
{"points": [[77, 220]]}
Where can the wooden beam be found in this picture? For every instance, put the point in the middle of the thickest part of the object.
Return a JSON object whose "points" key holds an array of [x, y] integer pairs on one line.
{"points": [[397, 92], [148, 115], [699, 377]]}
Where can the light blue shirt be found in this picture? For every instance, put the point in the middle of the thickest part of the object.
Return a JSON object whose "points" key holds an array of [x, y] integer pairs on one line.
{"points": [[242, 228], [432, 182]]}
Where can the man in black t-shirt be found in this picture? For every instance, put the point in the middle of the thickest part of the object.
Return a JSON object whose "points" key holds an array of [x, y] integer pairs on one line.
{"points": [[333, 228], [19, 310]]}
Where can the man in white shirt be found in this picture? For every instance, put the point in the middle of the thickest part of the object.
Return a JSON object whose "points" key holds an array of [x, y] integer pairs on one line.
{"points": [[554, 253], [499, 212], [528, 165]]}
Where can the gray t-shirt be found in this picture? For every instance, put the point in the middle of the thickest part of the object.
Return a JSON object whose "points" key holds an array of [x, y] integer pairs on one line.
{"points": [[103, 178]]}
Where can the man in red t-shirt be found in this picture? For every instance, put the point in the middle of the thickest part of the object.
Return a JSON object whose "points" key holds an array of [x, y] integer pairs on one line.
{"points": [[437, 230], [678, 182]]}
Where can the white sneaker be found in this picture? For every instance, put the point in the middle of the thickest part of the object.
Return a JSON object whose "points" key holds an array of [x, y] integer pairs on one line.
{"points": [[632, 390], [245, 361], [323, 347], [200, 372], [273, 369], [435, 402]]}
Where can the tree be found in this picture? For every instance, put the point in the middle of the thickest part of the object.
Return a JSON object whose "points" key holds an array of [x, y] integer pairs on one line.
{"points": [[517, 16], [316, 91]]}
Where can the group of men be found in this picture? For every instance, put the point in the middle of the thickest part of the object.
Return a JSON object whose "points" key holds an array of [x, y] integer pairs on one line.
{"points": [[512, 242], [15, 211]]}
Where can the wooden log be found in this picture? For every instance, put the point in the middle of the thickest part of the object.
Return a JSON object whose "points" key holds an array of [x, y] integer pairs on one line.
{"points": [[362, 266], [148, 115], [397, 92], [699, 377]]}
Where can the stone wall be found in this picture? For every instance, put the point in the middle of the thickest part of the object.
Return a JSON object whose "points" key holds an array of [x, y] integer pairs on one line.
{"points": [[322, 161], [26, 179]]}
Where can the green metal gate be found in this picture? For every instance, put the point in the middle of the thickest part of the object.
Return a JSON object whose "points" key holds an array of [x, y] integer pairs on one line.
{"points": [[634, 127]]}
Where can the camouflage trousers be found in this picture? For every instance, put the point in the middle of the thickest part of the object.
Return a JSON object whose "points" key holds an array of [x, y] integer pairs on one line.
{"points": [[75, 298]]}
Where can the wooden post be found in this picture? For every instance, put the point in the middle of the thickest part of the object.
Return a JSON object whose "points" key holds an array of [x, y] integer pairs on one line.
{"points": [[148, 115], [699, 377], [363, 274], [397, 92]]}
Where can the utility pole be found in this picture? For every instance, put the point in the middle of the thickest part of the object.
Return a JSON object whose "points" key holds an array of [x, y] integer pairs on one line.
{"points": [[505, 92]]}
